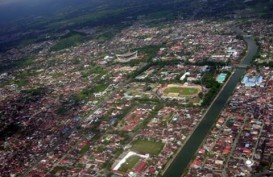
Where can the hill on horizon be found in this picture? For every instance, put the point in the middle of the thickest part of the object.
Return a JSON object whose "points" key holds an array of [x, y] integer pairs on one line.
{"points": [[28, 18]]}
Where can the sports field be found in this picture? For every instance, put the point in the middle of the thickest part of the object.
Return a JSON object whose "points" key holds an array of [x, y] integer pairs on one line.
{"points": [[129, 164], [145, 146], [180, 91]]}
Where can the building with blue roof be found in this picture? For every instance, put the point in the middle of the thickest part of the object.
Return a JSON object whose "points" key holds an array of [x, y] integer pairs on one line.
{"points": [[251, 81]]}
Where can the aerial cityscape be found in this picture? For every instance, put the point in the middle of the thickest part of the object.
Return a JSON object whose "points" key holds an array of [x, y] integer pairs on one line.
{"points": [[133, 88]]}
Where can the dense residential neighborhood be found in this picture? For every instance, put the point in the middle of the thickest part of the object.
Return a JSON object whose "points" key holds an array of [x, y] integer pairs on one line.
{"points": [[127, 105], [241, 138]]}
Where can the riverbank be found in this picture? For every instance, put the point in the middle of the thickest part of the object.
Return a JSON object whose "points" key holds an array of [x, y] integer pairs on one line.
{"points": [[170, 162], [187, 152]]}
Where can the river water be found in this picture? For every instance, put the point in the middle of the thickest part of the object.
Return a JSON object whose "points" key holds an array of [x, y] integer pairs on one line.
{"points": [[184, 157]]}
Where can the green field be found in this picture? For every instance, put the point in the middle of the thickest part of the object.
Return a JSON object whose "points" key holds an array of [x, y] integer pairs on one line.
{"points": [[145, 146], [181, 90], [129, 164]]}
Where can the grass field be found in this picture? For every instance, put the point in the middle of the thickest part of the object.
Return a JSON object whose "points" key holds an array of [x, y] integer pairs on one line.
{"points": [[181, 90], [145, 146], [129, 164]]}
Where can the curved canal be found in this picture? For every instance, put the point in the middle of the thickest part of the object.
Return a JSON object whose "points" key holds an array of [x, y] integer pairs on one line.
{"points": [[184, 157]]}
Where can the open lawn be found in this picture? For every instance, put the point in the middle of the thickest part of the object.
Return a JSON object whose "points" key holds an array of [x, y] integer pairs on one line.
{"points": [[181, 90], [145, 146], [129, 164]]}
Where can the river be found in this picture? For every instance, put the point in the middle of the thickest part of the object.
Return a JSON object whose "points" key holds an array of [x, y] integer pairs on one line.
{"points": [[186, 154]]}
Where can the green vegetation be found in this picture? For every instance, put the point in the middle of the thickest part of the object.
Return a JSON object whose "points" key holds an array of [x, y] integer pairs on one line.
{"points": [[53, 62], [84, 94], [106, 36], [151, 115], [240, 37], [58, 168], [84, 149], [149, 51], [129, 164], [97, 13], [145, 146], [181, 90], [61, 111], [139, 71], [93, 70], [25, 62], [68, 42], [57, 74], [9, 65], [263, 166], [150, 64], [76, 61], [87, 93], [168, 14], [79, 165], [125, 111], [21, 78], [90, 18], [230, 123], [21, 82], [100, 88], [109, 34], [214, 87], [35, 91]]}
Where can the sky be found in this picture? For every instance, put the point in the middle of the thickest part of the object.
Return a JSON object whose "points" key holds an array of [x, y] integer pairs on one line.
{"points": [[5, 2], [36, 2], [8, 2], [13, 9]]}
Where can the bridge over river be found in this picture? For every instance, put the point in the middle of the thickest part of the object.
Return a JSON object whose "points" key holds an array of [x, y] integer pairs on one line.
{"points": [[186, 154], [241, 66]]}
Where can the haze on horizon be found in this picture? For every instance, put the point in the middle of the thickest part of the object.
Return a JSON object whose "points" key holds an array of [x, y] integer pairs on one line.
{"points": [[23, 2], [12, 10]]}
